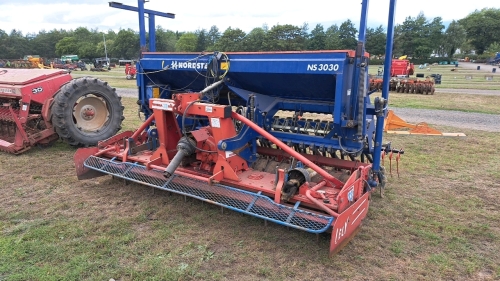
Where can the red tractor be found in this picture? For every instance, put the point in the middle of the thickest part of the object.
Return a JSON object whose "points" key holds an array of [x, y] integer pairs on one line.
{"points": [[130, 71], [38, 106]]}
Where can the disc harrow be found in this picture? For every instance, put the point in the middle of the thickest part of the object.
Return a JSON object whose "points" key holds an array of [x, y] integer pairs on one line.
{"points": [[406, 85]]}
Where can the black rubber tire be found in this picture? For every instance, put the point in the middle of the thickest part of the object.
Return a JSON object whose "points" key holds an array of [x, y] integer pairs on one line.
{"points": [[65, 101]]}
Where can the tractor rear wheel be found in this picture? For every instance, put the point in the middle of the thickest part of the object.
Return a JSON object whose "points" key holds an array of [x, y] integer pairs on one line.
{"points": [[86, 110]]}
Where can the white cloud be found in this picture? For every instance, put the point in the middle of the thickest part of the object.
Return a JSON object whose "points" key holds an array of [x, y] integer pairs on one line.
{"points": [[246, 15]]}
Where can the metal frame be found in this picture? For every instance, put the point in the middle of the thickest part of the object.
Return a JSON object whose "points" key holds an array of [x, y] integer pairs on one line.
{"points": [[208, 86], [151, 24]]}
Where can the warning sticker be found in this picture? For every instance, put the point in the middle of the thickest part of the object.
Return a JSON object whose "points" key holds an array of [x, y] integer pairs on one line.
{"points": [[215, 122]]}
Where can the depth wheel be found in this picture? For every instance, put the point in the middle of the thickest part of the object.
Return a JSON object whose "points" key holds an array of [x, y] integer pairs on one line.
{"points": [[86, 110]]}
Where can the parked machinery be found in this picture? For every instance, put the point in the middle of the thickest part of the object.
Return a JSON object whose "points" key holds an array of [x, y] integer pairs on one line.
{"points": [[101, 64], [16, 63], [38, 106], [130, 71], [401, 82], [289, 137], [496, 59]]}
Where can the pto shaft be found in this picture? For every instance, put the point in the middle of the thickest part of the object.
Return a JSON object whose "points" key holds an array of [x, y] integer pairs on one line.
{"points": [[185, 147]]}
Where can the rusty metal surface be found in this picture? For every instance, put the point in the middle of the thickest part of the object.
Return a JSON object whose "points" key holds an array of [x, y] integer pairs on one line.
{"points": [[25, 76]]}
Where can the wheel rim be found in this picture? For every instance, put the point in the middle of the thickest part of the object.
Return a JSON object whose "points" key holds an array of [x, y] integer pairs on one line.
{"points": [[90, 113]]}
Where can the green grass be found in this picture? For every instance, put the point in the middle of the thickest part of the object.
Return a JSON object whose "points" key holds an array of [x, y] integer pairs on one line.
{"points": [[439, 220], [115, 77], [429, 226], [445, 101]]}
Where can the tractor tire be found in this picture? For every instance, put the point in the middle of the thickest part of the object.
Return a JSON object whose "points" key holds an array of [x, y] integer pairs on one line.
{"points": [[86, 110]]}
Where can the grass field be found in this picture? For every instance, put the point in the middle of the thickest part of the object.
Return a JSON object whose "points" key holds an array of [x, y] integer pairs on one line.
{"points": [[115, 77], [439, 220], [445, 101]]}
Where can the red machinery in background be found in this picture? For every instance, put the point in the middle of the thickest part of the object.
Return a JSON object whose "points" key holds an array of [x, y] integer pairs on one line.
{"points": [[402, 67], [401, 82], [38, 106], [130, 71]]}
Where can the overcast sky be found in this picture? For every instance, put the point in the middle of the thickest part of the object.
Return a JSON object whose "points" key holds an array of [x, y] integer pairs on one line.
{"points": [[35, 15]]}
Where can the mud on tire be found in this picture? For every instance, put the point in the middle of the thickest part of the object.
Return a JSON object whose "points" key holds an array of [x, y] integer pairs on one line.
{"points": [[86, 110]]}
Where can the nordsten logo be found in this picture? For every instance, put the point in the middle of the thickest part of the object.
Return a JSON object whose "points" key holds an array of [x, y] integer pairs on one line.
{"points": [[185, 64]]}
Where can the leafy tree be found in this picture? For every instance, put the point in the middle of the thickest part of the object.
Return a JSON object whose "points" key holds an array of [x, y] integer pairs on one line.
{"points": [[231, 40], [493, 49], [408, 34], [44, 43], [417, 37], [285, 38], [466, 47], [317, 41], [434, 33], [254, 41], [88, 42], [111, 35], [187, 42], [126, 44], [332, 38], [82, 34], [40, 44], [305, 30], [376, 39], [213, 35], [202, 41], [165, 40], [4, 49], [179, 34], [89, 50], [482, 27], [66, 46], [347, 35], [454, 37], [17, 45], [100, 51]]}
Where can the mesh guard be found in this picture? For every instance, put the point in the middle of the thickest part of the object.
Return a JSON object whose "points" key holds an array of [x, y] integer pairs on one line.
{"points": [[254, 204]]}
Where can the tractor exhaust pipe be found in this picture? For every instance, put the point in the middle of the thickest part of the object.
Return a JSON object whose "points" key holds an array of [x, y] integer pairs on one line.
{"points": [[185, 147]]}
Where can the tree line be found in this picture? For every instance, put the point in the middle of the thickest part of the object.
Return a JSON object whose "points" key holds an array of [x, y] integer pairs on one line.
{"points": [[417, 37]]}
